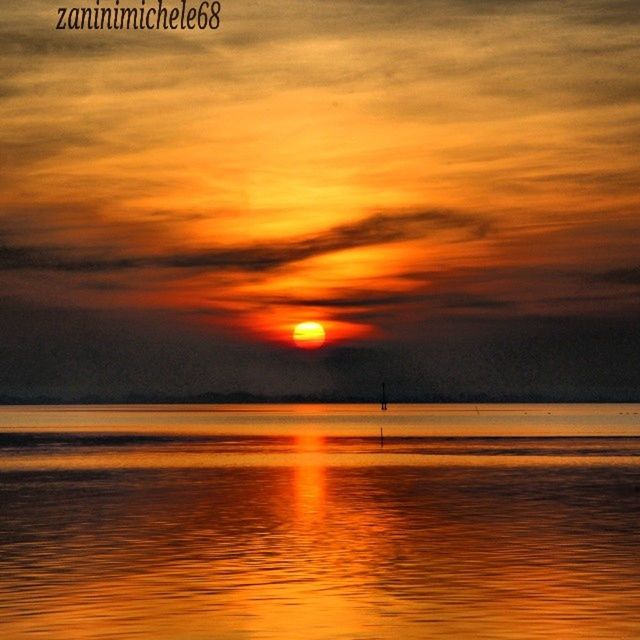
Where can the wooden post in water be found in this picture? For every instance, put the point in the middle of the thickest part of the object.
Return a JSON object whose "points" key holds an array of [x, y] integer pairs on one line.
{"points": [[383, 407]]}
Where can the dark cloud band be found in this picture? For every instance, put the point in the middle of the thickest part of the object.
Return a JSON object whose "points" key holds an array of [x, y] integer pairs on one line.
{"points": [[381, 228]]}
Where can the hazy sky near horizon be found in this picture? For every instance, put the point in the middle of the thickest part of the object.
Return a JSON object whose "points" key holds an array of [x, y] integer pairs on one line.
{"points": [[421, 177]]}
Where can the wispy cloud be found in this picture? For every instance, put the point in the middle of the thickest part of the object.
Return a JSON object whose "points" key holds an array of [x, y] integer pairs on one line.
{"points": [[378, 229], [630, 275]]}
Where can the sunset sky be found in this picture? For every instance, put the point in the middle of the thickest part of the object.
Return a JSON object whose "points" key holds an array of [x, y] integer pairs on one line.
{"points": [[451, 188]]}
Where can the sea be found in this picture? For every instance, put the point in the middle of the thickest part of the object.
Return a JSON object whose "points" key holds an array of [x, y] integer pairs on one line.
{"points": [[278, 522]]}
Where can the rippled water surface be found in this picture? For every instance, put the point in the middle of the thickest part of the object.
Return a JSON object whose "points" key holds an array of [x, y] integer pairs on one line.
{"points": [[295, 522]]}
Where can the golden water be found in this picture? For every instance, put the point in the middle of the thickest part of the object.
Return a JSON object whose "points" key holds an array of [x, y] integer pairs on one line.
{"points": [[197, 523]]}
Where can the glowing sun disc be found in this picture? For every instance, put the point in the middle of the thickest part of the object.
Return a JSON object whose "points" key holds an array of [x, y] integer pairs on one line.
{"points": [[309, 335]]}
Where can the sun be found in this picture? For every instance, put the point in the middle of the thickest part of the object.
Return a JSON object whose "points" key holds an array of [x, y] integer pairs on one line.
{"points": [[309, 335]]}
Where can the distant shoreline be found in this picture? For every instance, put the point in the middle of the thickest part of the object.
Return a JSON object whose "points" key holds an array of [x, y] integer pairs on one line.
{"points": [[250, 399]]}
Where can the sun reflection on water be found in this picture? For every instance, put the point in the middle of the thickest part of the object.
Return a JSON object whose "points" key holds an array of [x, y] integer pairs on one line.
{"points": [[310, 478]]}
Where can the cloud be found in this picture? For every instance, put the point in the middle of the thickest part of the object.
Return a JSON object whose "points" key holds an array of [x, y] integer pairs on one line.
{"points": [[469, 301], [44, 42], [377, 299], [381, 228], [378, 229], [630, 275], [53, 259]]}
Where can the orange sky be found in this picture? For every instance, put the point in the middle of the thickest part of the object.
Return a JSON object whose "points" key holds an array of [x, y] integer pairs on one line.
{"points": [[359, 164]]}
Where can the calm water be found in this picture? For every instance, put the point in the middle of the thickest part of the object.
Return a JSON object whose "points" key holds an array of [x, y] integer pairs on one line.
{"points": [[293, 522]]}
